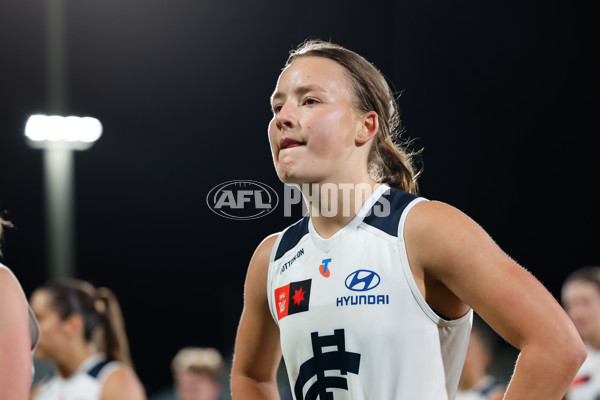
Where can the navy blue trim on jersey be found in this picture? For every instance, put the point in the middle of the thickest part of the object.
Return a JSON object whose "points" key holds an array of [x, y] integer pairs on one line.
{"points": [[292, 236], [96, 369], [398, 200], [492, 386]]}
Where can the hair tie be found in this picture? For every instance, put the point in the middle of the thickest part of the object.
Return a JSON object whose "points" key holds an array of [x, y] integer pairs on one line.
{"points": [[100, 306]]}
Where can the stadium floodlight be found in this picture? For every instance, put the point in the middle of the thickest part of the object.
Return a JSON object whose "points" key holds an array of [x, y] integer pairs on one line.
{"points": [[51, 131], [58, 137]]}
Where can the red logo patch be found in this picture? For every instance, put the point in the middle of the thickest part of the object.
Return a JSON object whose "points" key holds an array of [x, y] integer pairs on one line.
{"points": [[282, 295], [298, 293]]}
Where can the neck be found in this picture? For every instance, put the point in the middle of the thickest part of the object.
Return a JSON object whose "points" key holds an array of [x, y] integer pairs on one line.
{"points": [[332, 205], [70, 361]]}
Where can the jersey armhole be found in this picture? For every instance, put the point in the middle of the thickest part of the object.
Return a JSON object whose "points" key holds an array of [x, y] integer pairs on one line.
{"points": [[410, 279]]}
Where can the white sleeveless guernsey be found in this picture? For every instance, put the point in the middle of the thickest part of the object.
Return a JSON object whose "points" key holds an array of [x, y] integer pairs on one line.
{"points": [[352, 321], [85, 384]]}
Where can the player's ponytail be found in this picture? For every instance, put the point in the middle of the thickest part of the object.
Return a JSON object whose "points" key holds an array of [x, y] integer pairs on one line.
{"points": [[390, 160], [111, 338]]}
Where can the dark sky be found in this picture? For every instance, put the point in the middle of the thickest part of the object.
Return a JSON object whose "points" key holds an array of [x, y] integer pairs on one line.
{"points": [[502, 98]]}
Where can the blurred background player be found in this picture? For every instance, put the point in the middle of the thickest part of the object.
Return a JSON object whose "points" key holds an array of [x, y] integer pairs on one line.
{"points": [[476, 383], [19, 334], [82, 332], [581, 299], [198, 373]]}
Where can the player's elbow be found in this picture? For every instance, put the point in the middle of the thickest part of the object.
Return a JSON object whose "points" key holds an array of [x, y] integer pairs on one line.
{"points": [[570, 353], [245, 387], [578, 354]]}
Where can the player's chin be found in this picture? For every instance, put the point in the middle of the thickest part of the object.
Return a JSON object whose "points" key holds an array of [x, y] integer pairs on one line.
{"points": [[294, 173], [291, 181], [287, 178], [40, 354], [285, 171]]}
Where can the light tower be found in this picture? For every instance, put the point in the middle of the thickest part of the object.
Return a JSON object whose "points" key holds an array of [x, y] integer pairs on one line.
{"points": [[59, 137]]}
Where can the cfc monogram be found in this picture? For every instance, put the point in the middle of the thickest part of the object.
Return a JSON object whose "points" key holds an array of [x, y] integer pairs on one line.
{"points": [[331, 361]]}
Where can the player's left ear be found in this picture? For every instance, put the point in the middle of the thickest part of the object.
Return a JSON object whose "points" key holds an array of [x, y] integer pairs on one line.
{"points": [[368, 128]]}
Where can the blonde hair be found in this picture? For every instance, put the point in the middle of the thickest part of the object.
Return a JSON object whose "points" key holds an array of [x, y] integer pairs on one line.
{"points": [[390, 159], [201, 361]]}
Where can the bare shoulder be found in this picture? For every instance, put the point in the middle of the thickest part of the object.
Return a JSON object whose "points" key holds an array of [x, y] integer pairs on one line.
{"points": [[123, 384], [259, 264], [436, 214], [6, 276], [437, 232], [10, 288], [262, 254], [265, 247]]}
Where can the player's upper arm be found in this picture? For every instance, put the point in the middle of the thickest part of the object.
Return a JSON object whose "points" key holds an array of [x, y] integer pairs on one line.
{"points": [[15, 346], [257, 348], [122, 384], [447, 246]]}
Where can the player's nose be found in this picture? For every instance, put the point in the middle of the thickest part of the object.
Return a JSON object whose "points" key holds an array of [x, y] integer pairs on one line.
{"points": [[286, 118]]}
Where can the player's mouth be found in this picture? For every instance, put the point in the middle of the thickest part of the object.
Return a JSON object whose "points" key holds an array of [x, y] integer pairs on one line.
{"points": [[288, 143]]}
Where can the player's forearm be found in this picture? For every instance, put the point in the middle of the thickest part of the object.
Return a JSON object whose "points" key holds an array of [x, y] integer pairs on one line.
{"points": [[545, 373], [245, 388]]}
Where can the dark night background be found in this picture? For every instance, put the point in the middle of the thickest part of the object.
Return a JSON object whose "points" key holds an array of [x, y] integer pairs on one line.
{"points": [[501, 95]]}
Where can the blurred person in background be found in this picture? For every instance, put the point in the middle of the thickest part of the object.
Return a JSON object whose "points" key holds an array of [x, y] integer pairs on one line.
{"points": [[19, 334], [83, 334], [581, 299], [198, 373], [476, 383]]}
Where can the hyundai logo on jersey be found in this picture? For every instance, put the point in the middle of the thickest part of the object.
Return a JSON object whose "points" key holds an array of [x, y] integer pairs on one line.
{"points": [[243, 199], [292, 298], [323, 269], [362, 280], [362, 299]]}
